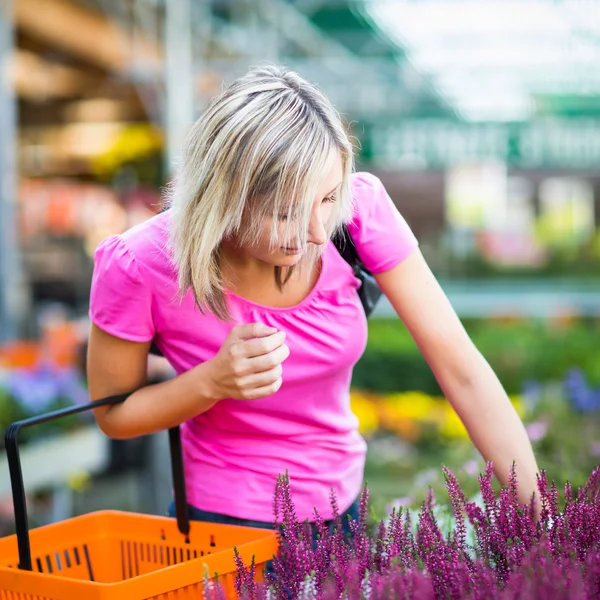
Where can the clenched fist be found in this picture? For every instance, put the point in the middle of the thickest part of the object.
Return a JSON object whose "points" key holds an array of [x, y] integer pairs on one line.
{"points": [[248, 364]]}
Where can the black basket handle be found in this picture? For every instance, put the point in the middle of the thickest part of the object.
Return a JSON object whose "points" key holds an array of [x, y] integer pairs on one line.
{"points": [[16, 472]]}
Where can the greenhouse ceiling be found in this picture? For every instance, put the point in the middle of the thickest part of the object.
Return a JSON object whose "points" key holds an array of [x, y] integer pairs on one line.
{"points": [[501, 60]]}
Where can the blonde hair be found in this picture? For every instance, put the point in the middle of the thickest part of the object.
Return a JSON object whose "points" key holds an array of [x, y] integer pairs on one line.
{"points": [[260, 149]]}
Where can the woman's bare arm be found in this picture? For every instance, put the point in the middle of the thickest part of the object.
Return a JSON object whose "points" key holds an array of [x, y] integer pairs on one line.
{"points": [[116, 366], [462, 372], [247, 367]]}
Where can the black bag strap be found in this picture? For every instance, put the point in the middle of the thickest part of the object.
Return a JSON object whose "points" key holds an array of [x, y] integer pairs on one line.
{"points": [[345, 246]]}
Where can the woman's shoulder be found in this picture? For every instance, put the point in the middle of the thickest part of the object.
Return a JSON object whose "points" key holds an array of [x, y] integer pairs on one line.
{"points": [[145, 238], [368, 194], [365, 186], [127, 268], [144, 243], [380, 233], [139, 255]]}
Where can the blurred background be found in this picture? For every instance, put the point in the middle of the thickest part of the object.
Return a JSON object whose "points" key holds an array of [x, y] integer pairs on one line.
{"points": [[481, 117]]}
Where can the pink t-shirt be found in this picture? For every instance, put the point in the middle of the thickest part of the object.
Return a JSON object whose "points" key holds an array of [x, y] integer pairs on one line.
{"points": [[234, 452]]}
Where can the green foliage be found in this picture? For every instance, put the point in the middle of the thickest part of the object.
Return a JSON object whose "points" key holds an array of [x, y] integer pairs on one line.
{"points": [[517, 351]]}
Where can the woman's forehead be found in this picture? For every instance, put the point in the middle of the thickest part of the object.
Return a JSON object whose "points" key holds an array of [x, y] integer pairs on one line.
{"points": [[332, 179]]}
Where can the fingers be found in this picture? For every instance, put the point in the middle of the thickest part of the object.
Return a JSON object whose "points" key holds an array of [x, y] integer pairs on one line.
{"points": [[264, 379], [259, 364], [252, 330], [263, 392], [244, 366], [260, 346], [251, 361]]}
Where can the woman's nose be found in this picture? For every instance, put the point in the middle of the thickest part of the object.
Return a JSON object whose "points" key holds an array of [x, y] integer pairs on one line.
{"points": [[316, 230]]}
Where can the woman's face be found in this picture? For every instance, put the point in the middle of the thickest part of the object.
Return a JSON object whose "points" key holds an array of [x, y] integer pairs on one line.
{"points": [[289, 254]]}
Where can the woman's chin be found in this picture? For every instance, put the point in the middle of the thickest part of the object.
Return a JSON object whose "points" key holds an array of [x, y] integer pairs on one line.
{"points": [[287, 258]]}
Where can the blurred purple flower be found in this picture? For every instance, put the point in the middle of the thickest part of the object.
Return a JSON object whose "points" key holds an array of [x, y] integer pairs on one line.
{"points": [[38, 388], [531, 393], [595, 449], [404, 502], [537, 431], [471, 468], [34, 390], [71, 386], [582, 396]]}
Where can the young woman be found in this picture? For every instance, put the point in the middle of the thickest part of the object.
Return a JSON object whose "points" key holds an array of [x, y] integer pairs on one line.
{"points": [[239, 285]]}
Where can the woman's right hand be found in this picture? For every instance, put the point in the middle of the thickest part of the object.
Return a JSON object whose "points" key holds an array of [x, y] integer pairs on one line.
{"points": [[248, 364]]}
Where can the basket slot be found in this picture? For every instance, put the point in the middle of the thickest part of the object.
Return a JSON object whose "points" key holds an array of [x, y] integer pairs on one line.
{"points": [[135, 557], [172, 558], [89, 562], [65, 562], [123, 562], [190, 592], [140, 558], [6, 595], [130, 562]]}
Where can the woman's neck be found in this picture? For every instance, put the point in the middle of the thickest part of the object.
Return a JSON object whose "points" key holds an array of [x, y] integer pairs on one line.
{"points": [[239, 267]]}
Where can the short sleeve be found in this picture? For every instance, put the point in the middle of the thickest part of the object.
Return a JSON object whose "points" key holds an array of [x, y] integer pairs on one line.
{"points": [[120, 299], [382, 237]]}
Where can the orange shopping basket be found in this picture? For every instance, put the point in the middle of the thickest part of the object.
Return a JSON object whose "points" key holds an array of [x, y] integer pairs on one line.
{"points": [[113, 555]]}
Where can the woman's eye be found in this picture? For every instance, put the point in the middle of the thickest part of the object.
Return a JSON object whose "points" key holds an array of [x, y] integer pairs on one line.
{"points": [[285, 217]]}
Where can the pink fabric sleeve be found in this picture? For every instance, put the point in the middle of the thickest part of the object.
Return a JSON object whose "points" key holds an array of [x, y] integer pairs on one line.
{"points": [[120, 299], [382, 237]]}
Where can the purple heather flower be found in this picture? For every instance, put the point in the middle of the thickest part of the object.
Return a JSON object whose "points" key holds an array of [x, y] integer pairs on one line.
{"points": [[514, 555]]}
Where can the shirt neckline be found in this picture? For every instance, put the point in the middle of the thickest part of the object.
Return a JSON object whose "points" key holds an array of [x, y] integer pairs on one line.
{"points": [[307, 299]]}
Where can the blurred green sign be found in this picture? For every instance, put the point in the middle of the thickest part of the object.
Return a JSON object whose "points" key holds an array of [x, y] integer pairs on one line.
{"points": [[435, 143]]}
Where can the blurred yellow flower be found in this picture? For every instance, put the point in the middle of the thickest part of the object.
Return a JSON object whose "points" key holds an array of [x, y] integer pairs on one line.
{"points": [[517, 402], [79, 481], [407, 414], [366, 410], [452, 427], [133, 142]]}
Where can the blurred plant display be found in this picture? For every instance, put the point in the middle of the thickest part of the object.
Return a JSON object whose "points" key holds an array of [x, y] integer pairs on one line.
{"points": [[519, 350], [36, 389], [412, 434]]}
